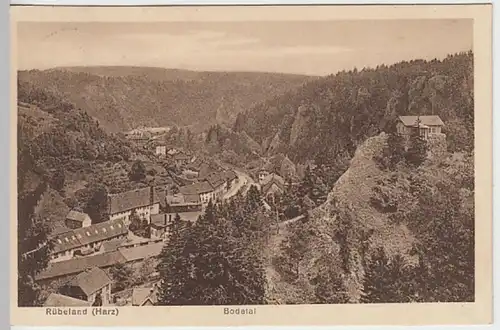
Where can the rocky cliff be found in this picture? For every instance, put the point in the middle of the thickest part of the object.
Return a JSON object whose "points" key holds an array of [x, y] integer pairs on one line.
{"points": [[360, 215]]}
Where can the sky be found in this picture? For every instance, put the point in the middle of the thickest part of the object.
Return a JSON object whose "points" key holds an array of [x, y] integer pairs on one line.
{"points": [[305, 47]]}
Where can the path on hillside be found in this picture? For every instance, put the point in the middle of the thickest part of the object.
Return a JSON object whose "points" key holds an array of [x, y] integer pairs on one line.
{"points": [[273, 250]]}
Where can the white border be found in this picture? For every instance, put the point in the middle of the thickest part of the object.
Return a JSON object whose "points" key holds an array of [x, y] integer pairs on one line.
{"points": [[4, 128]]}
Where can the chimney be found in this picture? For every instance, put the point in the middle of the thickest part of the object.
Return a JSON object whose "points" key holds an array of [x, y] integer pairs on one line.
{"points": [[151, 195]]}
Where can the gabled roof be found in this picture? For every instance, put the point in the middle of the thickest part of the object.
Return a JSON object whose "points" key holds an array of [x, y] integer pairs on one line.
{"points": [[192, 199], [77, 216], [59, 300], [112, 245], [131, 199], [65, 241], [196, 188], [142, 252], [175, 199], [101, 231], [77, 265], [141, 295], [276, 180], [159, 220], [230, 175], [80, 237], [425, 120], [216, 179], [181, 156], [91, 280]]}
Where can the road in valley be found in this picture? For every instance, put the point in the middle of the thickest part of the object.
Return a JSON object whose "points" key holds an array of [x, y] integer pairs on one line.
{"points": [[243, 184]]}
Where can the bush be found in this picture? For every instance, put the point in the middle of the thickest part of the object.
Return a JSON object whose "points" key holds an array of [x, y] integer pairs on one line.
{"points": [[417, 152]]}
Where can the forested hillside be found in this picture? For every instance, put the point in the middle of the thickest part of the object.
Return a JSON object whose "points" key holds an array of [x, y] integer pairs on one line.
{"points": [[346, 108], [384, 235], [123, 98]]}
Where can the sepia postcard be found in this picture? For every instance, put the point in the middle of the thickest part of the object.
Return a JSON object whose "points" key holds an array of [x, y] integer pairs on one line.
{"points": [[259, 165]]}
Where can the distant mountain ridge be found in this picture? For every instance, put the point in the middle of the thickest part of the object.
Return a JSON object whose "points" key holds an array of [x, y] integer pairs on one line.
{"points": [[122, 98]]}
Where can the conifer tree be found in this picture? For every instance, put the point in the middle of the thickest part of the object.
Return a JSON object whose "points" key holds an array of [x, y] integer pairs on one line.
{"points": [[176, 266], [208, 265], [417, 151], [330, 288], [375, 284], [121, 274], [33, 247], [387, 280]]}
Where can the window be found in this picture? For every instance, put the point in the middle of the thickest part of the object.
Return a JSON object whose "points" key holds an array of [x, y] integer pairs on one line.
{"points": [[66, 239], [104, 230], [111, 227], [73, 238], [119, 225], [78, 235], [88, 234], [97, 232], [59, 241]]}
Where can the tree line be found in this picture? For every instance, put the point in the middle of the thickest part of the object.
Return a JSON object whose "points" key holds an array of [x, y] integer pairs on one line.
{"points": [[218, 259]]}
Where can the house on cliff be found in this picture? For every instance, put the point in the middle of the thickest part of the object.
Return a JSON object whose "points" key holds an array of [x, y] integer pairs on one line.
{"points": [[422, 125], [428, 127]]}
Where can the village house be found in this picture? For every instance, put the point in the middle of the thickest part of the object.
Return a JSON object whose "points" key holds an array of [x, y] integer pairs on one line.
{"points": [[188, 207], [61, 270], [76, 219], [161, 150], [275, 184], [85, 240], [199, 192], [145, 296], [221, 182], [58, 272], [262, 175], [181, 159], [210, 188], [89, 285], [422, 125], [143, 202], [160, 222], [172, 151], [60, 300]]}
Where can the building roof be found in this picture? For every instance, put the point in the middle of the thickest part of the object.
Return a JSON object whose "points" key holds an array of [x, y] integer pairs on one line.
{"points": [[190, 216], [101, 231], [274, 180], [141, 252], [197, 164], [131, 199], [205, 170], [141, 295], [91, 280], [175, 199], [65, 241], [181, 156], [159, 220], [58, 228], [216, 179], [112, 245], [77, 265], [196, 188], [425, 120], [132, 240], [79, 237], [59, 300], [77, 216], [192, 199]]}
